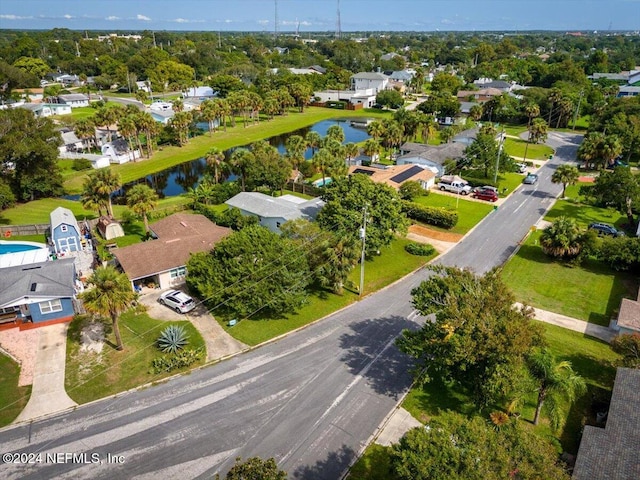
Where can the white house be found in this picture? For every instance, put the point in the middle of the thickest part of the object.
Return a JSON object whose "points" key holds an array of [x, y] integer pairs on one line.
{"points": [[74, 100], [118, 151], [199, 92], [272, 212], [369, 80], [365, 97], [47, 109]]}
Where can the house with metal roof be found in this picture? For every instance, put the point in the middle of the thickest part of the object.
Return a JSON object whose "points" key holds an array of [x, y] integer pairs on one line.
{"points": [[74, 100], [272, 212], [38, 294], [162, 261], [65, 233], [612, 452]]}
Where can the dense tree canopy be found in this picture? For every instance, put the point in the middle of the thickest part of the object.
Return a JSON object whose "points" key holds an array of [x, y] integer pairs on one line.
{"points": [[478, 339], [253, 270], [346, 199]]}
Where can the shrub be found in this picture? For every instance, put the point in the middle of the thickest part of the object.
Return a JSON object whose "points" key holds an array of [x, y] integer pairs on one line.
{"points": [[420, 249], [172, 339], [168, 363], [81, 164], [436, 216], [621, 253], [411, 190]]}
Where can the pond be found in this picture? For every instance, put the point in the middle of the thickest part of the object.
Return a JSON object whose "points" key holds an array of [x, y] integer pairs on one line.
{"points": [[180, 178]]}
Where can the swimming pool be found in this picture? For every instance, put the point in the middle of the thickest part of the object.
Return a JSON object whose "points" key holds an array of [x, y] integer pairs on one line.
{"points": [[22, 253], [321, 183]]}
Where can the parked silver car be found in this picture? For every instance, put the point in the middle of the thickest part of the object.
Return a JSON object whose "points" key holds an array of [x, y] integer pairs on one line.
{"points": [[179, 301]]}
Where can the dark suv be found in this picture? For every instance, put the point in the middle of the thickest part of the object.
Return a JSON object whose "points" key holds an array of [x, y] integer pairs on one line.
{"points": [[606, 229], [485, 193]]}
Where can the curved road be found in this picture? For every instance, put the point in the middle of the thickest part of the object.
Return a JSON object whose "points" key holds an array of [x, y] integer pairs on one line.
{"points": [[311, 400]]}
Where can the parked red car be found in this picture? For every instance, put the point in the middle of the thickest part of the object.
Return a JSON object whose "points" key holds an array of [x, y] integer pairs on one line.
{"points": [[487, 194]]}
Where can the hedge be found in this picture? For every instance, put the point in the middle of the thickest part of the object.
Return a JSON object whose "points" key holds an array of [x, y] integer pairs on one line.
{"points": [[435, 216]]}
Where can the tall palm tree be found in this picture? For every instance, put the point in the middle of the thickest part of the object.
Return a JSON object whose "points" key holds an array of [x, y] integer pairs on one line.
{"points": [[85, 129], [209, 114], [241, 160], [110, 295], [90, 198], [314, 140], [562, 239], [149, 126], [611, 149], [321, 162], [371, 148], [181, 122], [335, 132], [296, 147], [127, 128], [556, 381], [428, 127], [351, 150], [376, 129], [392, 136], [566, 175], [104, 183], [215, 160], [142, 200], [339, 258]]}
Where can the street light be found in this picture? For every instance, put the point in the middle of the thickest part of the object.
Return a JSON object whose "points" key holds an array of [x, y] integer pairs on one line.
{"points": [[363, 237]]}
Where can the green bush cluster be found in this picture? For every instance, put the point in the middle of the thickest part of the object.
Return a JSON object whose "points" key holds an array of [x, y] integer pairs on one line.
{"points": [[231, 217], [80, 164], [168, 363], [436, 216], [421, 249], [621, 253]]}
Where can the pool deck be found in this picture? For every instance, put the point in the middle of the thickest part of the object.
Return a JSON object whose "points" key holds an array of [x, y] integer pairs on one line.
{"points": [[33, 255]]}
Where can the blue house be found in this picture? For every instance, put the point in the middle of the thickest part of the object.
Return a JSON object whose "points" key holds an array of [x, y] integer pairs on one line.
{"points": [[65, 232], [38, 294]]}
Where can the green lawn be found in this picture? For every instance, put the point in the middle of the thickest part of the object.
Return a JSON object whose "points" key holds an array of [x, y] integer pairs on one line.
{"points": [[90, 376], [469, 213], [38, 211], [12, 397], [515, 147], [375, 464], [234, 136], [591, 292], [379, 272], [590, 358]]}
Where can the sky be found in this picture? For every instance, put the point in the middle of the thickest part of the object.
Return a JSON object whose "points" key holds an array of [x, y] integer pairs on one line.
{"points": [[321, 15]]}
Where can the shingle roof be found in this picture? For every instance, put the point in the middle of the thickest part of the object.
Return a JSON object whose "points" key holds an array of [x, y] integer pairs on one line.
{"points": [[629, 316], [73, 97], [386, 175], [435, 153], [179, 235], [612, 453], [18, 285], [370, 76], [61, 216]]}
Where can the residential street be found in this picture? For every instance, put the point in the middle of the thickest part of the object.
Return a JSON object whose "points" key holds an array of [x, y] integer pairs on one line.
{"points": [[312, 400]]}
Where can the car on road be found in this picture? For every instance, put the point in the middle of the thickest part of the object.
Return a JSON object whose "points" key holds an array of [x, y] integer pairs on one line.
{"points": [[177, 300], [530, 179], [521, 167], [485, 193], [606, 229]]}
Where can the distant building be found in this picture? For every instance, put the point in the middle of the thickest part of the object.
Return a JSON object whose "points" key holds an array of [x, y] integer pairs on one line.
{"points": [[369, 80], [74, 100]]}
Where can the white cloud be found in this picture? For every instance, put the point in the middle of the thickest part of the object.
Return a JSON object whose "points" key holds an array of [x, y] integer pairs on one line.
{"points": [[143, 18], [68, 17], [263, 22], [112, 18], [14, 17], [181, 20]]}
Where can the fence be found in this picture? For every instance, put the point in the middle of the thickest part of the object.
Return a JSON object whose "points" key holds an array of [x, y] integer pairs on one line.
{"points": [[8, 231], [303, 188]]}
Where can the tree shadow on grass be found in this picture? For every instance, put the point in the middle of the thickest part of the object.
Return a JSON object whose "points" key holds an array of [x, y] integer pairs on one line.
{"points": [[330, 468], [369, 351]]}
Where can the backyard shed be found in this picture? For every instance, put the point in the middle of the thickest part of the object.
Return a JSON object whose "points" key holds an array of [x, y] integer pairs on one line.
{"points": [[109, 228]]}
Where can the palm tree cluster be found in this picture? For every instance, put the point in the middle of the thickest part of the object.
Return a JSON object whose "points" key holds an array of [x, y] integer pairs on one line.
{"points": [[600, 148], [97, 191]]}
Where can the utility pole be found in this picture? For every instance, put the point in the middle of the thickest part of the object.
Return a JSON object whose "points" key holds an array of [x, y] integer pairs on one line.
{"points": [[575, 115], [363, 236], [495, 174]]}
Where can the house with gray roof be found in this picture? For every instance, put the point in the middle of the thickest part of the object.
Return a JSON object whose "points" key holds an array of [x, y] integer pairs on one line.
{"points": [[74, 100], [611, 453], [38, 294], [433, 157], [272, 212], [369, 80], [65, 232]]}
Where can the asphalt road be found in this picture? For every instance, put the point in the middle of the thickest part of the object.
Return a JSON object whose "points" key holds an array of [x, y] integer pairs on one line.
{"points": [[311, 400]]}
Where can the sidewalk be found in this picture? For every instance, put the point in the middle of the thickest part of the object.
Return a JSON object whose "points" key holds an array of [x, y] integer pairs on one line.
{"points": [[47, 393], [603, 333]]}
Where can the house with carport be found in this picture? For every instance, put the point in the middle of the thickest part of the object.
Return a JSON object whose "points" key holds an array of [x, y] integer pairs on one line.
{"points": [[161, 262]]}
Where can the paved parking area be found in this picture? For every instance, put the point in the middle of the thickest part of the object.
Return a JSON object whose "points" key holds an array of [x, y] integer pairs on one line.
{"points": [[219, 343]]}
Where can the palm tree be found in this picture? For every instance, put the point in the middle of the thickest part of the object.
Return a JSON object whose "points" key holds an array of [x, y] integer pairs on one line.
{"points": [[296, 147], [314, 140], [103, 183], [376, 129], [556, 381], [371, 148], [339, 258], [351, 150], [181, 122], [321, 161], [90, 198], [85, 129], [392, 136], [127, 128], [566, 175], [591, 147], [110, 296], [215, 160], [209, 113], [428, 126], [146, 123], [611, 149], [107, 116], [335, 132], [241, 159], [562, 239], [142, 200]]}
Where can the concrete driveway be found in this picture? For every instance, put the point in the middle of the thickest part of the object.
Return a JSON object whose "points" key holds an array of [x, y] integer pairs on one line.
{"points": [[219, 343]]}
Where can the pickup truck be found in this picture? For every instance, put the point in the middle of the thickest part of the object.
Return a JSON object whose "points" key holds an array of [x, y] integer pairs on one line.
{"points": [[455, 186]]}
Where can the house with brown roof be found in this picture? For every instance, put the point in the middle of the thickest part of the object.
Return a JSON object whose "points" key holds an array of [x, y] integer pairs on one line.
{"points": [[162, 261], [612, 452], [396, 175]]}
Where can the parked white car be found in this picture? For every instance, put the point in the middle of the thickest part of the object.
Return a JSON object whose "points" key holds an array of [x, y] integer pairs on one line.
{"points": [[177, 300]]}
